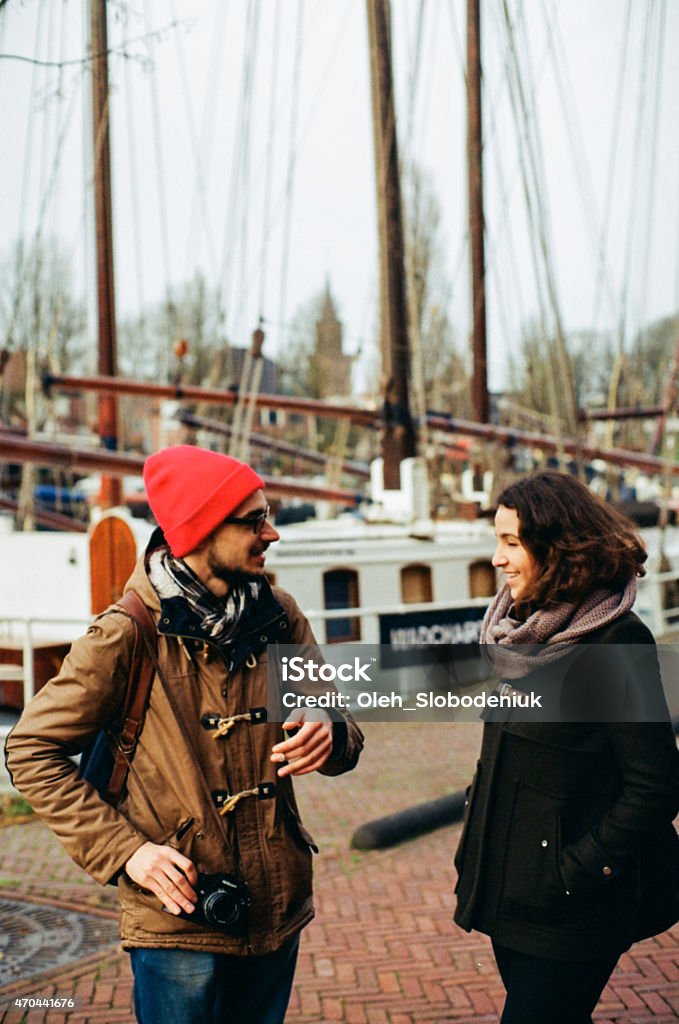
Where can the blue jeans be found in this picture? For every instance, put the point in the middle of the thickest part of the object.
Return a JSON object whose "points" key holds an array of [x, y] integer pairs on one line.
{"points": [[181, 986]]}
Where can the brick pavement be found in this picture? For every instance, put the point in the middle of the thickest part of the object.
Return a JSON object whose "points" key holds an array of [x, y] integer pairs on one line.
{"points": [[383, 948]]}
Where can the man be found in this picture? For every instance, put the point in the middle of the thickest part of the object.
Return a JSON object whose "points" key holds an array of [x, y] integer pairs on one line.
{"points": [[209, 791]]}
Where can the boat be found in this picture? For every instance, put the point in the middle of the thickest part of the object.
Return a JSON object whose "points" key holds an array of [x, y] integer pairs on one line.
{"points": [[392, 574]]}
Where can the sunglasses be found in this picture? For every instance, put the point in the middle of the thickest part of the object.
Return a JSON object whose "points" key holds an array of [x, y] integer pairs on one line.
{"points": [[255, 520]]}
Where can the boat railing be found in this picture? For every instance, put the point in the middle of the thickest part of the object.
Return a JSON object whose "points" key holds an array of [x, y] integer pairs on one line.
{"points": [[27, 632], [653, 594], [369, 615]]}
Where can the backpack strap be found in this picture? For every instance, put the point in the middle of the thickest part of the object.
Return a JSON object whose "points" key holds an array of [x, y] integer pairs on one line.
{"points": [[142, 670]]}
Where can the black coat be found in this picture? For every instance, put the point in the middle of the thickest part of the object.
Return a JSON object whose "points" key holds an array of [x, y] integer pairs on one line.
{"points": [[568, 851]]}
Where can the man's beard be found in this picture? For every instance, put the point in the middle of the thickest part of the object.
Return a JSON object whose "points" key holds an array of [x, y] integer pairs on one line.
{"points": [[229, 575], [235, 577]]}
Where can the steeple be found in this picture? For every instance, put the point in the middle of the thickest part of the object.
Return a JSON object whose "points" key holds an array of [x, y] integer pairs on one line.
{"points": [[334, 365]]}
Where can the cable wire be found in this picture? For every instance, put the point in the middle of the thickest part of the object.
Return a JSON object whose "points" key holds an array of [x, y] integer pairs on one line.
{"points": [[290, 181], [634, 183], [657, 64], [166, 255], [612, 166], [269, 159]]}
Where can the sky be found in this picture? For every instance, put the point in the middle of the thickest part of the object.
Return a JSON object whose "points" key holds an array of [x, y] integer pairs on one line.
{"points": [[242, 147]]}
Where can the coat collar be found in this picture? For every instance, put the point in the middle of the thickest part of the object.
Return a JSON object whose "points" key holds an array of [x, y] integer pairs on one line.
{"points": [[267, 622]]}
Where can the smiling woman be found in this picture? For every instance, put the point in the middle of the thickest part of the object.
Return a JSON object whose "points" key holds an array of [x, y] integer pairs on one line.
{"points": [[557, 542], [565, 816], [515, 561]]}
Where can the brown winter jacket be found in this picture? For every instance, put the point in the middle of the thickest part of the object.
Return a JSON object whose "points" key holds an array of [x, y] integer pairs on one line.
{"points": [[171, 789]]}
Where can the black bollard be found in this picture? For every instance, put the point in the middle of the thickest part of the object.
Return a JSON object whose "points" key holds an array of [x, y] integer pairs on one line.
{"points": [[415, 821]]}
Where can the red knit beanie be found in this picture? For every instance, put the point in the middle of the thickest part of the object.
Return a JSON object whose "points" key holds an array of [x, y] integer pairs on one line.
{"points": [[191, 490]]}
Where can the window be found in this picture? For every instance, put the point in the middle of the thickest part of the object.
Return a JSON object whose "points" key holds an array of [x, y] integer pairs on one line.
{"points": [[416, 584], [340, 590], [482, 579]]}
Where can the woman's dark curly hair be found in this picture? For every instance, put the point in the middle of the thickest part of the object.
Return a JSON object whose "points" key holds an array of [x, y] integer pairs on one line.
{"points": [[578, 541]]}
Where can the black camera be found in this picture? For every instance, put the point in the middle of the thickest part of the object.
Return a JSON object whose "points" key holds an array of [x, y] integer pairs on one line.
{"points": [[223, 902]]}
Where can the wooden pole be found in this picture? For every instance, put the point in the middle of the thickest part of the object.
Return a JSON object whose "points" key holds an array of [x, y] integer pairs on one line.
{"points": [[476, 217], [110, 494], [399, 435]]}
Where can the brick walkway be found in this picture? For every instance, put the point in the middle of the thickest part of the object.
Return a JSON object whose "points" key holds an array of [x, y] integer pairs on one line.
{"points": [[383, 948]]}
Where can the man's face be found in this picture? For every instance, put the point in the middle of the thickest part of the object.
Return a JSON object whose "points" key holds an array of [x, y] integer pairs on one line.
{"points": [[234, 552]]}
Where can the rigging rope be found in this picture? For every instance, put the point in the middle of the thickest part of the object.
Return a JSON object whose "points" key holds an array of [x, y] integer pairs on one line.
{"points": [[579, 153], [502, 223], [417, 133], [195, 147], [160, 190], [48, 108], [657, 64], [612, 165], [413, 226], [239, 327], [634, 181], [134, 194], [292, 163], [25, 186], [269, 161], [121, 51], [414, 70], [239, 199], [518, 107], [537, 214], [52, 354], [280, 203], [208, 136]]}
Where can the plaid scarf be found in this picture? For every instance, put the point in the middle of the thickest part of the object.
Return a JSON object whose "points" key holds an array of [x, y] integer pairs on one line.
{"points": [[514, 647], [220, 617]]}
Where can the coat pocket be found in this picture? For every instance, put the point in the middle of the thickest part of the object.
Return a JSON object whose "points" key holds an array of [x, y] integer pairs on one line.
{"points": [[531, 887], [466, 818], [294, 825]]}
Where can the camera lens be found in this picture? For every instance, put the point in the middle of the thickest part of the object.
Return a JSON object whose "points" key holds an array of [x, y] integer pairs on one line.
{"points": [[221, 907]]}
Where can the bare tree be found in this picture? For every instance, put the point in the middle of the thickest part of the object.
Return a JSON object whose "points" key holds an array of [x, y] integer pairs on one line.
{"points": [[445, 374], [148, 342], [41, 322], [300, 365], [38, 311]]}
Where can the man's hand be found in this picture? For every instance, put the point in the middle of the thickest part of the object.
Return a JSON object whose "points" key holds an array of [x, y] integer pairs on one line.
{"points": [[309, 748], [166, 873]]}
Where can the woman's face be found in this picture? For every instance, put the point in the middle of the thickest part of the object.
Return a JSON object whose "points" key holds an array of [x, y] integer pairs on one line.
{"points": [[515, 561]]}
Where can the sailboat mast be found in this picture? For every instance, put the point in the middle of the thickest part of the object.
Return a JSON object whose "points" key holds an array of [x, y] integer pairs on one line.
{"points": [[110, 494], [476, 217], [399, 435]]}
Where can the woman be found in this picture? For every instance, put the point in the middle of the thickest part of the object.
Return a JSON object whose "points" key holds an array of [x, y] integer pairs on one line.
{"points": [[568, 853]]}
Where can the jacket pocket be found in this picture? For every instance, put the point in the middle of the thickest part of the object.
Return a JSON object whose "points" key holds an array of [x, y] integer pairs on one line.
{"points": [[531, 886], [470, 800], [294, 825], [291, 866]]}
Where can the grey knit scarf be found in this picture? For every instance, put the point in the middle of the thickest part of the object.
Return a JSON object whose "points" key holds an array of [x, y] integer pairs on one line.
{"points": [[515, 647]]}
